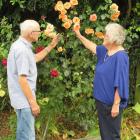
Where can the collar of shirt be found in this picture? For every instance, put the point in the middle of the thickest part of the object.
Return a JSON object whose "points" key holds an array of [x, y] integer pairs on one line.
{"points": [[27, 43]]}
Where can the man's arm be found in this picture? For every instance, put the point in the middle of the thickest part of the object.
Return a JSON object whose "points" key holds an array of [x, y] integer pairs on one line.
{"points": [[116, 104], [87, 43], [41, 55], [28, 94]]}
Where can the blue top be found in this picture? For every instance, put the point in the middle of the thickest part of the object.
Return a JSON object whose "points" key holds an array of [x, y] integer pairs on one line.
{"points": [[111, 72]]}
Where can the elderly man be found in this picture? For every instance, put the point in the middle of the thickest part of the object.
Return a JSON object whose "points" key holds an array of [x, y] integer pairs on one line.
{"points": [[22, 75]]}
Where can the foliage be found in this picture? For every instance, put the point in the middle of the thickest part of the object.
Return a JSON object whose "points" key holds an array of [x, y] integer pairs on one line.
{"points": [[134, 51], [131, 123], [6, 37], [70, 95], [65, 99]]}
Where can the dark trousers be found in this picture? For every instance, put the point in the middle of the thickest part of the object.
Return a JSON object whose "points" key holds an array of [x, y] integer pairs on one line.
{"points": [[109, 126]]}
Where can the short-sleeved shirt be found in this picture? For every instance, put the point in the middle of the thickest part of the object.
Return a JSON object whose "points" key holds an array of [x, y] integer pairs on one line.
{"points": [[21, 61], [111, 72]]}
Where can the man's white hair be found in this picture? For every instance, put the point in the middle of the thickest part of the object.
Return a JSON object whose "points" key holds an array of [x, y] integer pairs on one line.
{"points": [[115, 33], [28, 26]]}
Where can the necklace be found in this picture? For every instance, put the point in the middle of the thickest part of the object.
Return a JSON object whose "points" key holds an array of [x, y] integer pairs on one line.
{"points": [[106, 57]]}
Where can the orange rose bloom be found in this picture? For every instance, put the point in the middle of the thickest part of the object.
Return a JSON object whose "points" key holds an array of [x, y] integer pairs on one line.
{"points": [[63, 11], [76, 27], [69, 20], [99, 35], [93, 17], [114, 7], [63, 17], [74, 2], [76, 20], [89, 31], [67, 25], [67, 5], [115, 16]]}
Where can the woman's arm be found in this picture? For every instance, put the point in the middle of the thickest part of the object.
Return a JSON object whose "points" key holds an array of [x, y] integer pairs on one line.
{"points": [[87, 43], [116, 104]]}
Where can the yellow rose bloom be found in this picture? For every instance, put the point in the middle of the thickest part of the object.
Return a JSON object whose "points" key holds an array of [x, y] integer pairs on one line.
{"points": [[89, 31], [52, 34], [50, 27], [59, 6], [74, 2], [99, 35], [46, 32], [76, 20], [59, 2], [60, 49], [67, 5], [67, 25], [114, 7], [63, 12]]}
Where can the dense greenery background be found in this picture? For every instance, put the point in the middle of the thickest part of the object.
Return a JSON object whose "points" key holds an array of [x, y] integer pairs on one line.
{"points": [[68, 98]]}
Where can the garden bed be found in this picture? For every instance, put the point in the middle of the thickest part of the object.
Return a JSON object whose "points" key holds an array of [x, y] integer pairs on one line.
{"points": [[130, 126]]}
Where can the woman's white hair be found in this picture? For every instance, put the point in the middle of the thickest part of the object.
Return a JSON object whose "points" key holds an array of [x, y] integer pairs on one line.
{"points": [[115, 33], [28, 26]]}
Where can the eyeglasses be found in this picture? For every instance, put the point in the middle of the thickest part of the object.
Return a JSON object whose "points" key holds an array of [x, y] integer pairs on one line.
{"points": [[37, 31]]}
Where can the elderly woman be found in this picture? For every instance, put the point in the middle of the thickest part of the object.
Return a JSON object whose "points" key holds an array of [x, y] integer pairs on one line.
{"points": [[111, 81]]}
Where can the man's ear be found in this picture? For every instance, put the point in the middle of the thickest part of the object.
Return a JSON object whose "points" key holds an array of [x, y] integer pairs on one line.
{"points": [[30, 34]]}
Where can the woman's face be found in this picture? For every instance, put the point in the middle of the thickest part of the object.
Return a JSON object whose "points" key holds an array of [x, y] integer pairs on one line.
{"points": [[106, 42]]}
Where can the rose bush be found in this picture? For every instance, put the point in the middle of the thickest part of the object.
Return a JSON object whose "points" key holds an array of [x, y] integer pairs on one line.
{"points": [[70, 93], [64, 88]]}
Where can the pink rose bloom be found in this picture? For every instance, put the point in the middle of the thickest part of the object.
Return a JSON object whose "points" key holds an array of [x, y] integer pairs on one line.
{"points": [[93, 17], [43, 17]]}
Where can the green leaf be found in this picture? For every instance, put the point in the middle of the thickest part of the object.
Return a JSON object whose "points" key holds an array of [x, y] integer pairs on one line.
{"points": [[93, 132], [71, 133], [137, 108], [138, 29], [38, 125], [66, 73]]}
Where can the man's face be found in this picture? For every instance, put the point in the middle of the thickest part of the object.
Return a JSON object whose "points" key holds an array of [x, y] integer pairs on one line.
{"points": [[35, 34]]}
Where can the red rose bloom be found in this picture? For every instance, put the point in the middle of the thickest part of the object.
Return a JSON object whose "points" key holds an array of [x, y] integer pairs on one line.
{"points": [[54, 73], [4, 62], [39, 49]]}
